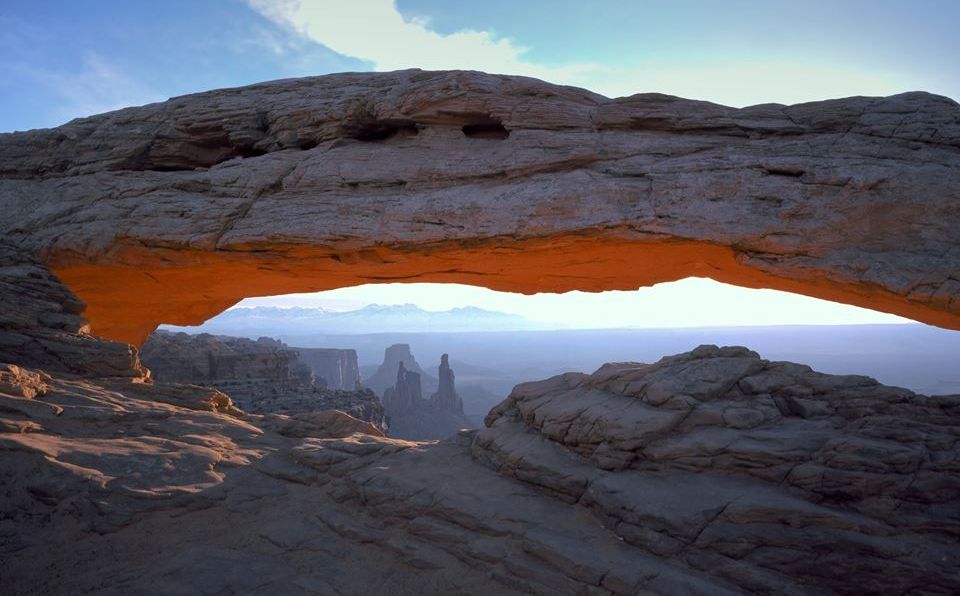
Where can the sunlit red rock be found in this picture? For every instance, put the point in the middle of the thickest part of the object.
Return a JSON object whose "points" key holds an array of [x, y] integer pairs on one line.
{"points": [[174, 211]]}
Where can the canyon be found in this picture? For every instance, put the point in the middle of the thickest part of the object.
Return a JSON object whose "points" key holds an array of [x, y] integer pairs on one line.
{"points": [[712, 471], [265, 375]]}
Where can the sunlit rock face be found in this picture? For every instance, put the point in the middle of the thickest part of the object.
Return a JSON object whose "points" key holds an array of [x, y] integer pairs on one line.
{"points": [[173, 211], [42, 326], [709, 472]]}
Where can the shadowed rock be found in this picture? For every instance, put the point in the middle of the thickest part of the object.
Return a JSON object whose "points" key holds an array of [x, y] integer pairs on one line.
{"points": [[338, 369], [415, 418], [746, 469], [711, 472], [446, 397], [174, 211], [261, 376], [386, 374]]}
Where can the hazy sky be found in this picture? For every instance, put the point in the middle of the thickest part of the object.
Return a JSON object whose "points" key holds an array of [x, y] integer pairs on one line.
{"points": [[64, 59], [690, 302], [68, 58]]}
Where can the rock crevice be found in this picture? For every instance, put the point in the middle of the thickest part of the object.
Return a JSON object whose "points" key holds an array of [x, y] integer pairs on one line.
{"points": [[261, 190]]}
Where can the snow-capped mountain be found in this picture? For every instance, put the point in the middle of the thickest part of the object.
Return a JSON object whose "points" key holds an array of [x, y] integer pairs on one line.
{"points": [[374, 318]]}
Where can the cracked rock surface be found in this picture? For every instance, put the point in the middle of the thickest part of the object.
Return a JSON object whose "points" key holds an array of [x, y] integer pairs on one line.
{"points": [[710, 472], [507, 182], [749, 470]]}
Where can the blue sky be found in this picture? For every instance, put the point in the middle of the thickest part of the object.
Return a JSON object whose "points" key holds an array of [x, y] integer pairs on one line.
{"points": [[63, 59], [71, 58]]}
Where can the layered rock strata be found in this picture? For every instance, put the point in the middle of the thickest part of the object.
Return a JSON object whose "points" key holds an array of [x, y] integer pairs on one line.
{"points": [[334, 368], [261, 376], [171, 212], [712, 472], [41, 324], [767, 475]]}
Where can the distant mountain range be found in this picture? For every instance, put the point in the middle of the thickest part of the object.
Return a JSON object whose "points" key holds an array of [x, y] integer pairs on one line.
{"points": [[374, 318]]}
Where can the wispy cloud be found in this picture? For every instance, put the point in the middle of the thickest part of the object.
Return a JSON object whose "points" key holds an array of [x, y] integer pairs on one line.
{"points": [[375, 31], [95, 87]]}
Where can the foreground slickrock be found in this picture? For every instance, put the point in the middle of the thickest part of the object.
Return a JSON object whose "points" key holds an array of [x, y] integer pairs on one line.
{"points": [[748, 470], [171, 212], [711, 472]]}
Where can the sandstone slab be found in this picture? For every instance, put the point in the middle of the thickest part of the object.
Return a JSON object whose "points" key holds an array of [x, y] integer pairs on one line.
{"points": [[171, 212]]}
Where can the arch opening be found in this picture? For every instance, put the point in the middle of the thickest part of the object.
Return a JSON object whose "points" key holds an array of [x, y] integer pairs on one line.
{"points": [[384, 340], [142, 287]]}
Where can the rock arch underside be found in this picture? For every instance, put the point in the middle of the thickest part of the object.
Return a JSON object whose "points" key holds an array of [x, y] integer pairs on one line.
{"points": [[714, 471], [174, 211]]}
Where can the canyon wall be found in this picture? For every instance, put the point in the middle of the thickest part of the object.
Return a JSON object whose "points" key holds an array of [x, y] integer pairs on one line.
{"points": [[260, 376], [174, 211], [334, 368]]}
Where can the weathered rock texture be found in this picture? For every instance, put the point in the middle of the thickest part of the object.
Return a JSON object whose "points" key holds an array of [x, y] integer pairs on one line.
{"points": [[334, 368], [768, 475], [173, 211], [712, 472], [205, 359], [261, 376], [41, 324]]}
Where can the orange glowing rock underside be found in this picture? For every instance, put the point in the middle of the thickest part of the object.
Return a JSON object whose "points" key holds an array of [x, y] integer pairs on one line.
{"points": [[126, 302]]}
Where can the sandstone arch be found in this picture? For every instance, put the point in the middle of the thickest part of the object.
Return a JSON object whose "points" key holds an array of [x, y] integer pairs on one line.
{"points": [[172, 212]]}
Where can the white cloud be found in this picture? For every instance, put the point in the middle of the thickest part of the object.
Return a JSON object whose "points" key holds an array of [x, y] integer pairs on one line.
{"points": [[376, 32]]}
